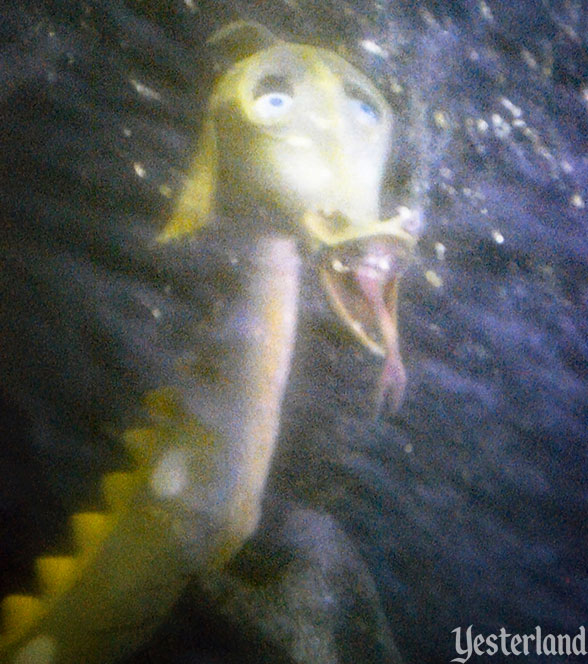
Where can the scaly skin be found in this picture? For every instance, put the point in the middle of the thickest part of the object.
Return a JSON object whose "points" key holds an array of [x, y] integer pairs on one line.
{"points": [[301, 134], [172, 516]]}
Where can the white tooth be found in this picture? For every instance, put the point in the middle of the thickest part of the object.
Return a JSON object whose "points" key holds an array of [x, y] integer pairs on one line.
{"points": [[369, 272], [378, 263], [338, 266], [384, 264]]}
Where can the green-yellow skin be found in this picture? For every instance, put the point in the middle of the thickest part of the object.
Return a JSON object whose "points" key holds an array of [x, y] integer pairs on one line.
{"points": [[323, 151], [299, 132]]}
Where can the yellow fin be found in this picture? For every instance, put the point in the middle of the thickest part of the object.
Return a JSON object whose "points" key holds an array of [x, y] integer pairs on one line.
{"points": [[20, 611], [89, 529], [55, 573], [196, 202]]}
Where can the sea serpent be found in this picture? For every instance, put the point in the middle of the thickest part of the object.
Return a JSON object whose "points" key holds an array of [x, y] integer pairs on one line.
{"points": [[297, 137]]}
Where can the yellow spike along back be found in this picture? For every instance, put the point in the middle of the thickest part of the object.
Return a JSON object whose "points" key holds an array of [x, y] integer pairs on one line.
{"points": [[55, 573], [118, 489], [89, 529], [169, 519], [19, 612]]}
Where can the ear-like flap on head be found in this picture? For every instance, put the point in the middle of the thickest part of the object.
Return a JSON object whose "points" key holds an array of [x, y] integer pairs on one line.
{"points": [[239, 40], [196, 204]]}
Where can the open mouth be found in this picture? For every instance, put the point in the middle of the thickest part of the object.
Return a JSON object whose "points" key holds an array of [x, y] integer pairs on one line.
{"points": [[360, 270]]}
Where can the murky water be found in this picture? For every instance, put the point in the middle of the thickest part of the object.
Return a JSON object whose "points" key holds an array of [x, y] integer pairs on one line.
{"points": [[468, 505]]}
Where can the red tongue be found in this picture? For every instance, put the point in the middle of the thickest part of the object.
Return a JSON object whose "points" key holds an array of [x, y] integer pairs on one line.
{"points": [[361, 281], [381, 295]]}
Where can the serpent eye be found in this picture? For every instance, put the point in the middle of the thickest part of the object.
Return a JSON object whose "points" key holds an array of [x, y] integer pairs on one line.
{"points": [[272, 105], [364, 110], [273, 96]]}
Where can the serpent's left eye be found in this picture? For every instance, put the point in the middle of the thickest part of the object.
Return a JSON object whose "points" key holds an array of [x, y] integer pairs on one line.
{"points": [[272, 105], [273, 96]]}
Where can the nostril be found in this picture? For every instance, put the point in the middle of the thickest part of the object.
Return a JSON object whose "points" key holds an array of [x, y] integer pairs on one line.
{"points": [[319, 120]]}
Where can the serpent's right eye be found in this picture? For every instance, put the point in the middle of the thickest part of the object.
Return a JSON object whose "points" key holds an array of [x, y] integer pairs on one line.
{"points": [[363, 107]]}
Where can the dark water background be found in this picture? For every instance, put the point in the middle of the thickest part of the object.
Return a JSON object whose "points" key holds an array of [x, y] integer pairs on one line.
{"points": [[469, 506]]}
